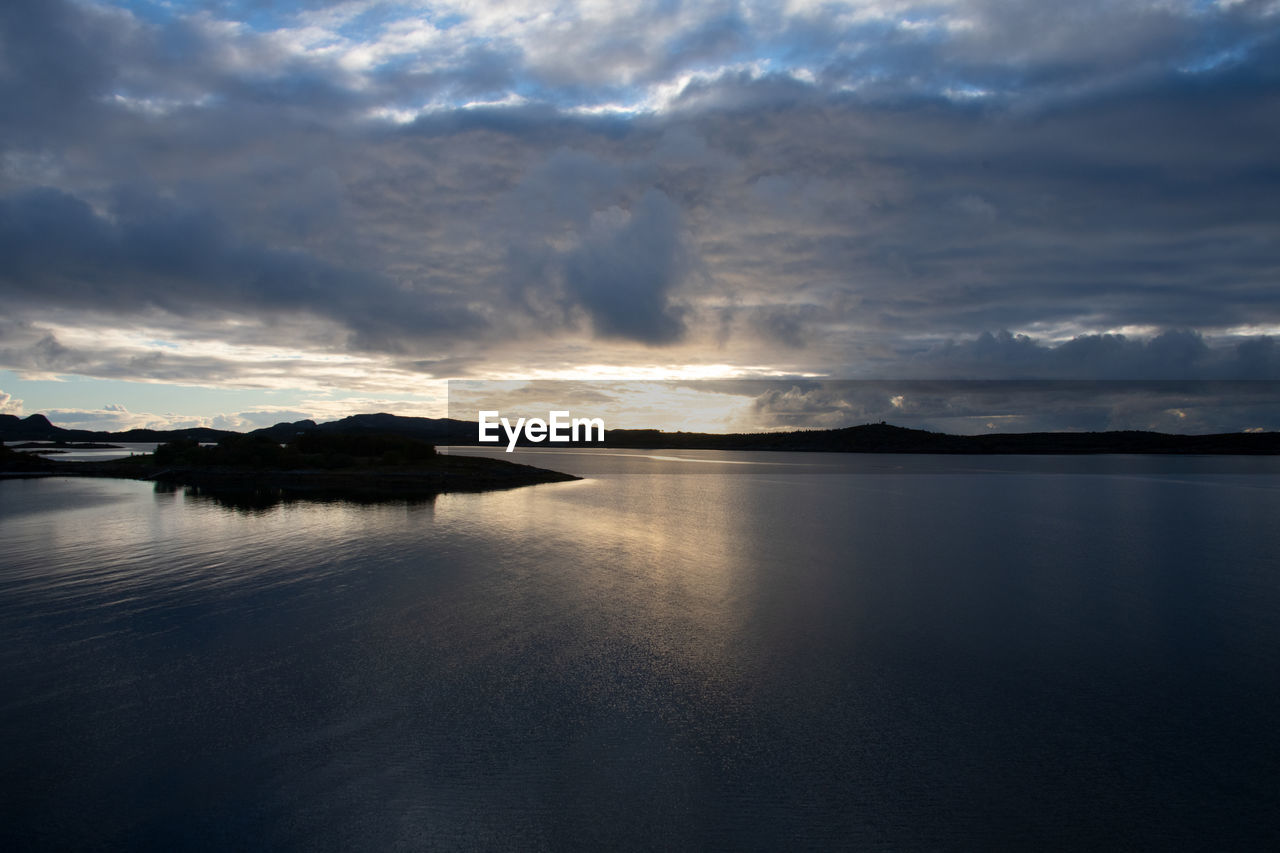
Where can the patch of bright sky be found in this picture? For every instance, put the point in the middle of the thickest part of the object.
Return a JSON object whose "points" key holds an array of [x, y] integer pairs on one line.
{"points": [[966, 93], [1214, 61], [622, 405], [82, 394], [72, 392]]}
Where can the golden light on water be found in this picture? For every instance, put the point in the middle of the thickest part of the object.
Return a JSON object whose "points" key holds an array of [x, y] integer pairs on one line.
{"points": [[688, 580]]}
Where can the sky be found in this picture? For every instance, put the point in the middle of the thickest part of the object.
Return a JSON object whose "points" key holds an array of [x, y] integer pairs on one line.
{"points": [[237, 212]]}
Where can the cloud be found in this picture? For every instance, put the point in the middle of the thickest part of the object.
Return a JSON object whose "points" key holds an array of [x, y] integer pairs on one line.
{"points": [[9, 405], [1178, 354], [968, 407], [114, 419], [39, 352], [624, 269], [246, 421], [150, 253], [836, 188]]}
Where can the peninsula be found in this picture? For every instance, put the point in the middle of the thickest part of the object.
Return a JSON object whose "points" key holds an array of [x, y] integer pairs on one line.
{"points": [[311, 465]]}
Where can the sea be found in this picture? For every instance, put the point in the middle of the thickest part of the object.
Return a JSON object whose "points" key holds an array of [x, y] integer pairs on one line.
{"points": [[681, 651]]}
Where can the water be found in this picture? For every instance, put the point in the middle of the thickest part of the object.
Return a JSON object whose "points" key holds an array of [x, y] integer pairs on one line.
{"points": [[73, 453], [901, 653]]}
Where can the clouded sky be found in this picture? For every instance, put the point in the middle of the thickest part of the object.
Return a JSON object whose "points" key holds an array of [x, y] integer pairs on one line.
{"points": [[248, 211]]}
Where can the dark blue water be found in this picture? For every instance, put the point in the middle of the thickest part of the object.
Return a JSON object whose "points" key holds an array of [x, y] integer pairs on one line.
{"points": [[916, 653]]}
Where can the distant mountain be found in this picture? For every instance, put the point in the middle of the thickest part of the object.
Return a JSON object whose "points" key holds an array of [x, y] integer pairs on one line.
{"points": [[868, 438], [284, 431], [885, 438], [434, 430], [38, 428], [30, 428]]}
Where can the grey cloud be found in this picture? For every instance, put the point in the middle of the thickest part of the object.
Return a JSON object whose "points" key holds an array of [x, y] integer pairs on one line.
{"points": [[968, 407], [811, 405], [623, 272], [155, 253], [789, 325], [590, 238], [1097, 186], [55, 58], [1088, 215], [1178, 354], [567, 187]]}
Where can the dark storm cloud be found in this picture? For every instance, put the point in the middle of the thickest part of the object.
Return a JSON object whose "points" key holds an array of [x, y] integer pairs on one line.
{"points": [[892, 178], [624, 269], [788, 325], [151, 253], [590, 238], [1087, 217], [54, 58]]}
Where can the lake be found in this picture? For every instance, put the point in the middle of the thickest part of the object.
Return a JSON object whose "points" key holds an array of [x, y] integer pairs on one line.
{"points": [[685, 650]]}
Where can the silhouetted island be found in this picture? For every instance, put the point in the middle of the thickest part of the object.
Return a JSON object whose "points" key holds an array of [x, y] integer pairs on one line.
{"points": [[321, 465]]}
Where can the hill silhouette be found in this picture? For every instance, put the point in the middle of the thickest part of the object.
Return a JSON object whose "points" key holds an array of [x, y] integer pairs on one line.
{"points": [[867, 438]]}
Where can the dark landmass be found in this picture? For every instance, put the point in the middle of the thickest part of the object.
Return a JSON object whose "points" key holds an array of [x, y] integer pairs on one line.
{"points": [[433, 430], [868, 438], [252, 469], [16, 464], [884, 438]]}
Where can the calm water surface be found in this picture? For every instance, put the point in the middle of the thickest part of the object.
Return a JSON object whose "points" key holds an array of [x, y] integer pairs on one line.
{"points": [[682, 651], [74, 453]]}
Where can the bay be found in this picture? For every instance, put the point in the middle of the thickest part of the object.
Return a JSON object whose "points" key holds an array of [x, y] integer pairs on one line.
{"points": [[707, 650]]}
